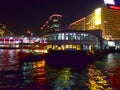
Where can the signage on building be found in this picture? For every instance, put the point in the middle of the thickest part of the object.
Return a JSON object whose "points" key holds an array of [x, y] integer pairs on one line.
{"points": [[98, 16], [114, 7], [109, 2]]}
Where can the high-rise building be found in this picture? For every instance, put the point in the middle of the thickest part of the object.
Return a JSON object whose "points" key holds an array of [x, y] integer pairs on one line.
{"points": [[53, 24], [106, 18]]}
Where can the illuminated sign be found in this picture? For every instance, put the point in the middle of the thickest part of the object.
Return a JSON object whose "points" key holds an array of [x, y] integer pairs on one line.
{"points": [[109, 2], [111, 43], [98, 16], [114, 7]]}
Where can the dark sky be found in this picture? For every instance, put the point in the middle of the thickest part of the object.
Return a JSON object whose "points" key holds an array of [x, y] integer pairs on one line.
{"points": [[19, 15]]}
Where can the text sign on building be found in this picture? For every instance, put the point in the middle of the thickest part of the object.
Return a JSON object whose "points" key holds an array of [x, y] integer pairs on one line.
{"points": [[114, 7], [98, 16]]}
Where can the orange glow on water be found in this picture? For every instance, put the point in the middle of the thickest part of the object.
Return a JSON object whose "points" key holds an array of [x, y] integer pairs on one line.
{"points": [[97, 81], [39, 64]]}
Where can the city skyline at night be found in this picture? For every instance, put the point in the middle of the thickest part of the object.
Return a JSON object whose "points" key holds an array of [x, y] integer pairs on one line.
{"points": [[20, 15]]}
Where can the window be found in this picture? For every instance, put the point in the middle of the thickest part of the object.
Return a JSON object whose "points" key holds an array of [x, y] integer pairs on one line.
{"points": [[66, 36], [78, 36], [62, 37], [82, 36], [74, 36], [86, 36]]}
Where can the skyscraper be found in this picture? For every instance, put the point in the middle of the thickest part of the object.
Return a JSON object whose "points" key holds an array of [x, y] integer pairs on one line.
{"points": [[106, 18]]}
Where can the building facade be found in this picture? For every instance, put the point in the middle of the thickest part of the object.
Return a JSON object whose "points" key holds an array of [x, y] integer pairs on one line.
{"points": [[75, 40], [106, 18]]}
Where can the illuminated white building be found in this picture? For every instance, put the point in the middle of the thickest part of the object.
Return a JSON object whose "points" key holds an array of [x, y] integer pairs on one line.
{"points": [[75, 40]]}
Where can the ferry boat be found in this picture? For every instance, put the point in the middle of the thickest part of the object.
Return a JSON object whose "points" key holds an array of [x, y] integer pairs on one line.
{"points": [[32, 50], [69, 58]]}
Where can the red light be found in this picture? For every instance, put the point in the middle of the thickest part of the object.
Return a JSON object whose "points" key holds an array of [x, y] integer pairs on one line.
{"points": [[114, 7]]}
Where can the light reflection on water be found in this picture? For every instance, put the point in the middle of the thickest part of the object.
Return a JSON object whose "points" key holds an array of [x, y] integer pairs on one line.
{"points": [[104, 74], [33, 75], [97, 80], [110, 67], [8, 59], [112, 60]]}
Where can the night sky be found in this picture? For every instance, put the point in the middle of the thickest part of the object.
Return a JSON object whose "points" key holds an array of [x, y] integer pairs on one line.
{"points": [[18, 15]]}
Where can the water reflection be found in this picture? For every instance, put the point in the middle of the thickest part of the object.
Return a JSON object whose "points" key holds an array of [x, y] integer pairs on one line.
{"points": [[108, 61], [114, 77], [97, 80], [63, 81], [9, 80], [8, 60], [111, 60], [67, 78], [104, 74], [113, 70], [110, 66], [34, 75]]}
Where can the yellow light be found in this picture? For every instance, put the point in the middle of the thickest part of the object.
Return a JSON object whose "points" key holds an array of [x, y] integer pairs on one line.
{"points": [[98, 16], [40, 64]]}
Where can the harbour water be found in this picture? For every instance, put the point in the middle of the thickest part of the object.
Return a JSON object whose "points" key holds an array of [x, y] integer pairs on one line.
{"points": [[103, 74]]}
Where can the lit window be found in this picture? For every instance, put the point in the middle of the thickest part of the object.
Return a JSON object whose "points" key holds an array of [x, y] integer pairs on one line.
{"points": [[86, 36], [70, 46], [71, 34], [59, 36], [74, 36], [66, 33], [67, 46], [98, 16], [63, 36], [55, 20], [78, 36], [66, 36], [82, 36]]}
